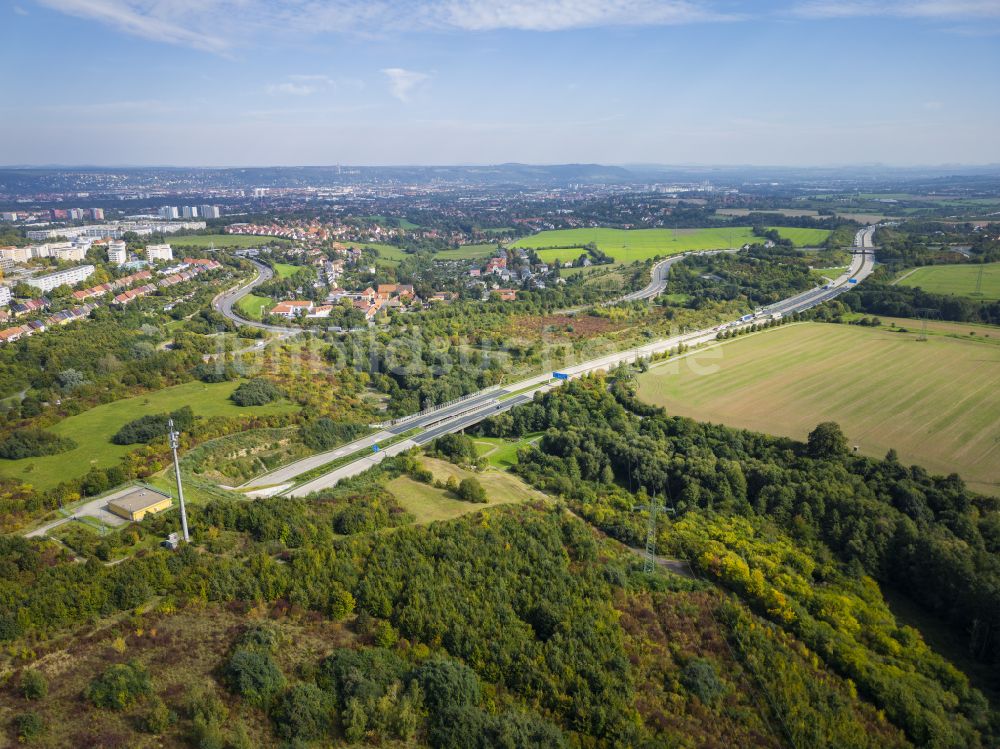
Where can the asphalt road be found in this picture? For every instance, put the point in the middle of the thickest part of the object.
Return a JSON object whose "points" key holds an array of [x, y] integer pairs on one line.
{"points": [[225, 301]]}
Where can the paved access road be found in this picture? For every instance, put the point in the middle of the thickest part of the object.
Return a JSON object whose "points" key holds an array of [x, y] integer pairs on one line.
{"points": [[224, 302]]}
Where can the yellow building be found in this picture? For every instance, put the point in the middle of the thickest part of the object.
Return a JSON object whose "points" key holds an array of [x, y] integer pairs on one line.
{"points": [[138, 501]]}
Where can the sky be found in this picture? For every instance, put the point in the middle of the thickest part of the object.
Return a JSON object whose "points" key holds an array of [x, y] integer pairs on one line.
{"points": [[309, 82]]}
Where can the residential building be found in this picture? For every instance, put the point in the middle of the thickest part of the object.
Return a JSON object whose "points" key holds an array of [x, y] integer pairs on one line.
{"points": [[8, 216], [292, 309], [97, 214], [117, 252], [5, 296], [68, 277], [189, 211], [159, 252], [75, 214], [16, 254], [168, 212], [209, 211]]}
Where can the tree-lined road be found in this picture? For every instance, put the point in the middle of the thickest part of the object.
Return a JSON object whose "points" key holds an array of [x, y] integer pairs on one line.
{"points": [[224, 302]]}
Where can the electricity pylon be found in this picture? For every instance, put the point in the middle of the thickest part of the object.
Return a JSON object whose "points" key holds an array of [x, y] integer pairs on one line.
{"points": [[174, 442]]}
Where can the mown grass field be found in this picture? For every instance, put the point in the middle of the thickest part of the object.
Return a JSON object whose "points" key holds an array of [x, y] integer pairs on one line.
{"points": [[467, 252], [630, 245], [935, 401], [390, 254], [960, 280], [803, 237], [502, 453], [92, 430], [428, 503], [253, 306], [284, 270], [222, 240]]}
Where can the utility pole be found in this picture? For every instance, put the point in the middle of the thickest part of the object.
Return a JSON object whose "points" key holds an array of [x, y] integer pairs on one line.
{"points": [[979, 283], [174, 442]]}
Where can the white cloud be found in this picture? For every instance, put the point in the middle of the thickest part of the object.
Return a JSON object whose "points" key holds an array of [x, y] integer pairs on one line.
{"points": [[554, 15], [150, 20], [402, 82], [302, 84], [926, 9], [19, 10], [292, 89], [220, 25]]}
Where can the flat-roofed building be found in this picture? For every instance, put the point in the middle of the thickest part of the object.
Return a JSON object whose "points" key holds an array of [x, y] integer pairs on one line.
{"points": [[136, 502]]}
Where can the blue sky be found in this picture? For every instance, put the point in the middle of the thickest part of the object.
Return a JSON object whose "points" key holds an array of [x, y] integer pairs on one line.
{"points": [[239, 82]]}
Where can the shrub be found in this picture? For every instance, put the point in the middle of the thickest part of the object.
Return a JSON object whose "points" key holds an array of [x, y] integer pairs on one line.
{"points": [[324, 433], [447, 683], [254, 675], [255, 392], [120, 686], [701, 678], [148, 428], [29, 726], [303, 712], [471, 490], [32, 442], [458, 448], [33, 685], [157, 718]]}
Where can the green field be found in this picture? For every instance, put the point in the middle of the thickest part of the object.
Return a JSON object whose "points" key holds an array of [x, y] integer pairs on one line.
{"points": [[803, 237], [502, 453], [630, 245], [960, 280], [467, 252], [427, 503], [284, 270], [252, 306], [222, 240], [92, 430], [934, 401]]}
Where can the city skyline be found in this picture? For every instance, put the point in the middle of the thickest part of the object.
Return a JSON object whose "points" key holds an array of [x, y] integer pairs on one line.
{"points": [[117, 82]]}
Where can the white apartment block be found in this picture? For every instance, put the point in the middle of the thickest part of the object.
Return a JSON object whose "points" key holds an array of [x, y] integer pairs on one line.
{"points": [[159, 252], [169, 212], [10, 216], [5, 296], [209, 211], [189, 211], [117, 252], [16, 254], [68, 277]]}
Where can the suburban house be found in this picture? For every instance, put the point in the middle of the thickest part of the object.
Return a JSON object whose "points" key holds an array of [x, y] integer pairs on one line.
{"points": [[292, 309]]}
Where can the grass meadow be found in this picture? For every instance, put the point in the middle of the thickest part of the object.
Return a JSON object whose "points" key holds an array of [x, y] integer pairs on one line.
{"points": [[92, 430], [630, 245], [253, 306], [222, 240], [428, 503], [934, 401], [960, 280]]}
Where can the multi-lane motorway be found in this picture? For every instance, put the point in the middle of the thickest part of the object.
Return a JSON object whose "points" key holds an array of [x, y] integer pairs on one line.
{"points": [[473, 409]]}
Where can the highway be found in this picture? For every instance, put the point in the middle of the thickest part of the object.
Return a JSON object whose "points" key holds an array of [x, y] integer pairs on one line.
{"points": [[471, 410], [224, 302], [658, 277]]}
